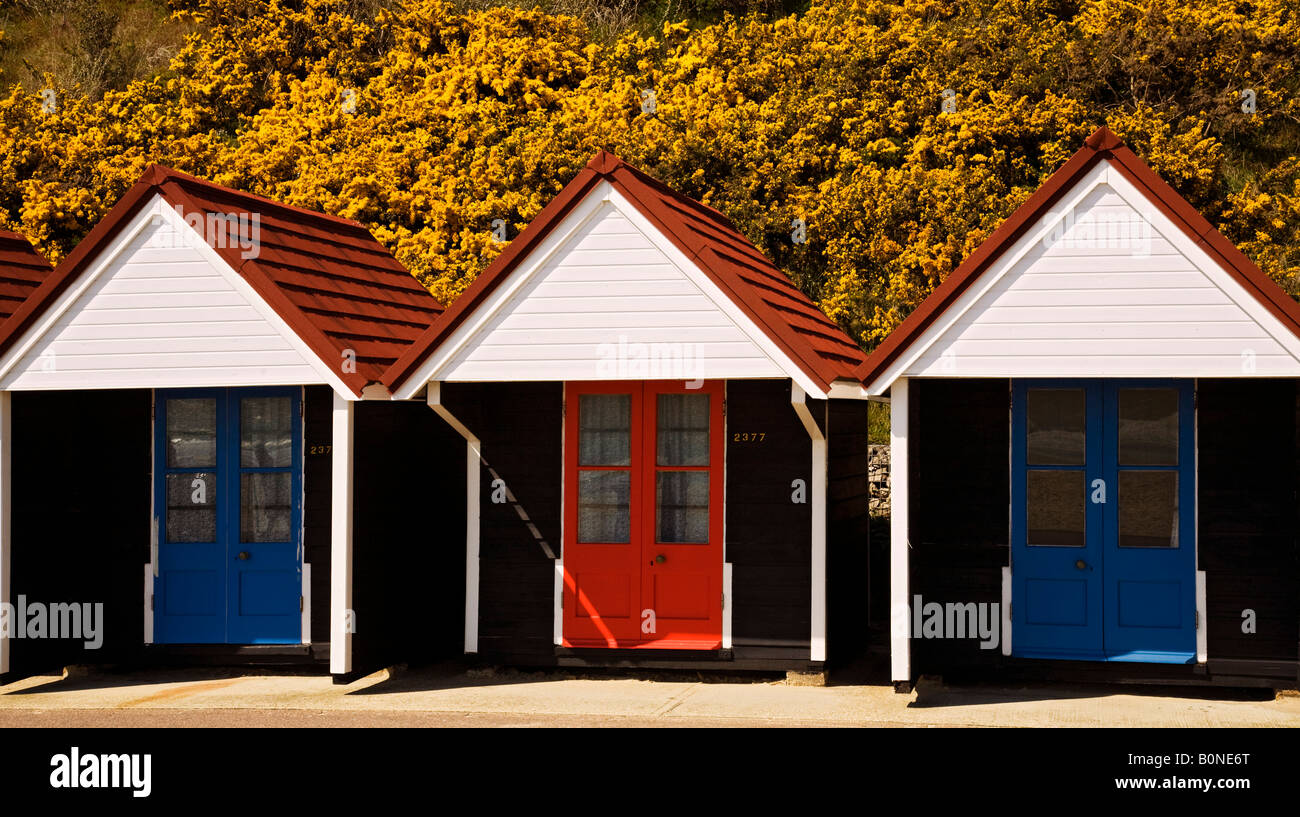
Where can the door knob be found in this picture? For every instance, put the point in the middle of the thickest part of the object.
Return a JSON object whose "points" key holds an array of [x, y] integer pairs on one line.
{"points": [[243, 556], [661, 558], [1081, 565]]}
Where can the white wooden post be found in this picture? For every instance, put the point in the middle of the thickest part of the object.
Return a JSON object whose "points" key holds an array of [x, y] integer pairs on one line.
{"points": [[473, 468], [900, 659], [1202, 612], [817, 636], [341, 616], [306, 602], [472, 454], [6, 520]]}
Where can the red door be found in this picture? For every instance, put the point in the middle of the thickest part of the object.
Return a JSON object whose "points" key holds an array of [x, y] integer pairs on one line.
{"points": [[643, 515]]}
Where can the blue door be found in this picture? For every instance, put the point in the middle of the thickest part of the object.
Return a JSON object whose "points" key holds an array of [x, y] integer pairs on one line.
{"points": [[228, 487], [1102, 525]]}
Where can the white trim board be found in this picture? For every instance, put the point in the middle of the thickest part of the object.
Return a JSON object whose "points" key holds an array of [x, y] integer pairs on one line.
{"points": [[342, 457], [1006, 610], [1202, 623], [728, 605], [557, 600], [1061, 312], [900, 620], [134, 278], [737, 348], [558, 604], [1202, 611], [304, 580], [6, 515], [151, 569], [305, 636], [727, 598], [148, 603]]}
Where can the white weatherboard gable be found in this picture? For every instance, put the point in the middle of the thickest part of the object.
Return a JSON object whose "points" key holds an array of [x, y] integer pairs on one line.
{"points": [[159, 308], [607, 297], [1055, 304]]}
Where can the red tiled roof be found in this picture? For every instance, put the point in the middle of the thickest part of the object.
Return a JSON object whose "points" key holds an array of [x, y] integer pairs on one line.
{"points": [[1102, 145], [327, 277], [765, 294], [22, 269]]}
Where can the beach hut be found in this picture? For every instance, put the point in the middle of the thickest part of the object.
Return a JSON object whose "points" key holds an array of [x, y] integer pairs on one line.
{"points": [[665, 441], [196, 453], [1094, 447]]}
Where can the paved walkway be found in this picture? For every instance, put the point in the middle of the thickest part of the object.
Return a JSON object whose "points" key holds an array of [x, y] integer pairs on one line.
{"points": [[451, 695]]}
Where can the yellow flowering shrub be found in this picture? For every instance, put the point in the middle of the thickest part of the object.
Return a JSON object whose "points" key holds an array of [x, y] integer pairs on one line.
{"points": [[866, 146]]}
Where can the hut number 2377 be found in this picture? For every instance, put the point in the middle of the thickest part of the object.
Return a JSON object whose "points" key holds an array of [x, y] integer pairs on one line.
{"points": [[749, 436]]}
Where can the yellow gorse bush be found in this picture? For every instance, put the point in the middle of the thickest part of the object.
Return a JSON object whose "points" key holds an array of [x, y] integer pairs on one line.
{"points": [[429, 124]]}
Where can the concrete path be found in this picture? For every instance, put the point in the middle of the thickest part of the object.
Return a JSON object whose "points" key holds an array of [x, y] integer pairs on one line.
{"points": [[453, 696]]}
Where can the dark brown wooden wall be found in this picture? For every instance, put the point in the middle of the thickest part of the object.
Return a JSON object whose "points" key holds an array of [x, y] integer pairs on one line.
{"points": [[959, 435], [854, 590], [1248, 474], [769, 538], [408, 540], [81, 498], [318, 440], [1248, 461], [81, 523], [519, 425]]}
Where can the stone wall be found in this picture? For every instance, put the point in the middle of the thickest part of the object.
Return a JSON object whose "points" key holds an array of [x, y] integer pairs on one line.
{"points": [[878, 478]]}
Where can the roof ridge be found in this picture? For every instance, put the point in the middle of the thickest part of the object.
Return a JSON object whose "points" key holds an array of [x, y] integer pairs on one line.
{"points": [[809, 358], [606, 163], [159, 174]]}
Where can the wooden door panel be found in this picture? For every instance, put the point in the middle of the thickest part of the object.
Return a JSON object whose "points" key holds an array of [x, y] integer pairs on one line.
{"points": [[682, 581], [602, 578], [642, 593]]}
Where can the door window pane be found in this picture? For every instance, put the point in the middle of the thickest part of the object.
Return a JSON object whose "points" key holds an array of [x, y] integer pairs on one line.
{"points": [[1055, 501], [191, 432], [191, 507], [1148, 509], [682, 499], [265, 506], [266, 432], [683, 429], [1054, 427], [1148, 426], [604, 507], [605, 429]]}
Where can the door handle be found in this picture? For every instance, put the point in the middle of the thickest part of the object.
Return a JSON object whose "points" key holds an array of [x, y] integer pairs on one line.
{"points": [[243, 556], [660, 559], [1081, 565]]}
